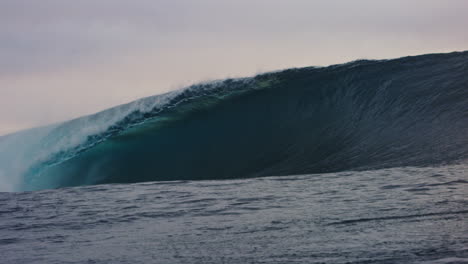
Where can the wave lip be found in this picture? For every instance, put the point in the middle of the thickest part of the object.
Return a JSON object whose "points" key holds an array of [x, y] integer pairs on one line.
{"points": [[360, 115]]}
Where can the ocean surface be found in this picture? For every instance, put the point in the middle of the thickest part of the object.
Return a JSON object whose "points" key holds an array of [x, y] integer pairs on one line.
{"points": [[398, 215], [363, 162]]}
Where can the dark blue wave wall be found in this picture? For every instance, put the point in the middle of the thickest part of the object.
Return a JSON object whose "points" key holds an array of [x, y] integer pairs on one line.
{"points": [[411, 111]]}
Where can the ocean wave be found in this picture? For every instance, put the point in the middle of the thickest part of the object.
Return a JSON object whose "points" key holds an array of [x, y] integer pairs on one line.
{"points": [[361, 115]]}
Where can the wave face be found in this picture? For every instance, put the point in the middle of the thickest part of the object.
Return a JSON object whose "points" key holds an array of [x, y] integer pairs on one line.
{"points": [[362, 115]]}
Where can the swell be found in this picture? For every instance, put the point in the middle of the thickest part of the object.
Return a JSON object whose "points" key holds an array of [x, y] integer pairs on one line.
{"points": [[399, 217], [361, 115]]}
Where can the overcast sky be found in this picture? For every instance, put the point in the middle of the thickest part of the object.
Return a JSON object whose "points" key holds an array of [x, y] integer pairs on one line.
{"points": [[61, 59]]}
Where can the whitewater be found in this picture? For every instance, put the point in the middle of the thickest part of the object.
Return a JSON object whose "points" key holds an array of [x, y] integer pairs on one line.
{"points": [[362, 162]]}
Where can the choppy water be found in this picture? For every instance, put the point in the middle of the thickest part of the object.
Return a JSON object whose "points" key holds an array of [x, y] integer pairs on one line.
{"points": [[382, 148], [399, 215]]}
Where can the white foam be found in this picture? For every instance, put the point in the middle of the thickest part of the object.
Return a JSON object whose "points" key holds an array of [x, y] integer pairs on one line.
{"points": [[22, 150]]}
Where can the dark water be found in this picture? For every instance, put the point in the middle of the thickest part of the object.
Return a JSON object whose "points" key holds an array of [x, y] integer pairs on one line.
{"points": [[361, 115], [399, 215], [186, 177]]}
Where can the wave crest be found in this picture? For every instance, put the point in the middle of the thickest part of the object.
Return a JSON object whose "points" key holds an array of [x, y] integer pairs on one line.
{"points": [[360, 115]]}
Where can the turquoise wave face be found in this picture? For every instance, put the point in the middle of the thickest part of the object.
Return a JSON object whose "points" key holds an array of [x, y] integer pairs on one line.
{"points": [[361, 115]]}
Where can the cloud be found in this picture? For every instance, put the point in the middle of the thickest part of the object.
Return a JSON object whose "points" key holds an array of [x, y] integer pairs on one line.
{"points": [[61, 59], [48, 34]]}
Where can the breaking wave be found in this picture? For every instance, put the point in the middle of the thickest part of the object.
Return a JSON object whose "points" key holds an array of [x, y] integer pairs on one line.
{"points": [[362, 115]]}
